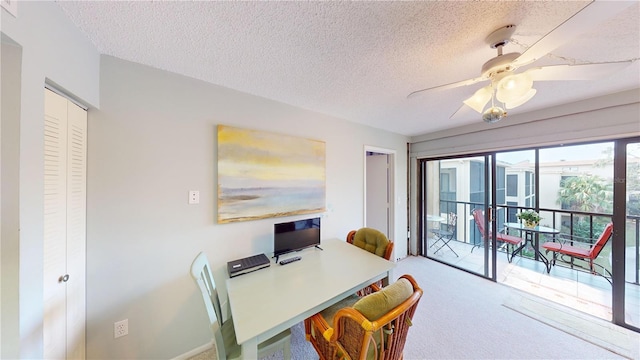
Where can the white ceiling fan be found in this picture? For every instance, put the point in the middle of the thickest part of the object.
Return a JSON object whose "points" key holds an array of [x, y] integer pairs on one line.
{"points": [[508, 89]]}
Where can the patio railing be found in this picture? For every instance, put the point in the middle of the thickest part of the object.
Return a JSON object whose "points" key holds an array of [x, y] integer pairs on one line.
{"points": [[565, 220]]}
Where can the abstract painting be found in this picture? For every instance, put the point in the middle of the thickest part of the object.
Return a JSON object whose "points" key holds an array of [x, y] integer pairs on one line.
{"points": [[264, 175]]}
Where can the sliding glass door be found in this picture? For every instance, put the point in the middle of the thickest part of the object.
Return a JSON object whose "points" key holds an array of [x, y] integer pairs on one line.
{"points": [[452, 190], [577, 190], [627, 242]]}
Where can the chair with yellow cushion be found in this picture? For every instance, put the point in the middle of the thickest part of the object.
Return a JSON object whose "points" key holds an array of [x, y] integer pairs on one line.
{"points": [[371, 240], [374, 242], [375, 327]]}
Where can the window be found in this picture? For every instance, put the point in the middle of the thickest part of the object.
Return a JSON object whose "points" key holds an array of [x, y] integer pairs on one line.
{"points": [[447, 190], [476, 185], [512, 185], [512, 211], [500, 184]]}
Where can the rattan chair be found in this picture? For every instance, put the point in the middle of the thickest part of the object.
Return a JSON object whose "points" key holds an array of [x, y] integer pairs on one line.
{"points": [[371, 240], [364, 331], [374, 242], [224, 336]]}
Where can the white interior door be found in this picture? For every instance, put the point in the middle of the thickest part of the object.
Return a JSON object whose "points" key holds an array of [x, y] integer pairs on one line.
{"points": [[377, 185], [65, 130]]}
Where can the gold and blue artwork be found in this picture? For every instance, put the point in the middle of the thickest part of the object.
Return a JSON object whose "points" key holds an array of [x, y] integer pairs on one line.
{"points": [[264, 175]]}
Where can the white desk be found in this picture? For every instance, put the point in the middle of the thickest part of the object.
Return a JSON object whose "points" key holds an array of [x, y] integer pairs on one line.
{"points": [[268, 301]]}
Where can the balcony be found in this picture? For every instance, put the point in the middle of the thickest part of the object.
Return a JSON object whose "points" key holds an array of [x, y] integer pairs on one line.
{"points": [[567, 283]]}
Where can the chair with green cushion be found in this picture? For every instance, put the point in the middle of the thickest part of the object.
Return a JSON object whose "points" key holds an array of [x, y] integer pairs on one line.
{"points": [[371, 240], [375, 327], [374, 242]]}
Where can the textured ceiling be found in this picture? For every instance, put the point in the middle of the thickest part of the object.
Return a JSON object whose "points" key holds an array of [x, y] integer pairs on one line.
{"points": [[358, 60]]}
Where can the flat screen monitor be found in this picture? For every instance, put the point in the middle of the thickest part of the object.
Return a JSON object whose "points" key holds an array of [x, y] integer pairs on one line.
{"points": [[295, 236]]}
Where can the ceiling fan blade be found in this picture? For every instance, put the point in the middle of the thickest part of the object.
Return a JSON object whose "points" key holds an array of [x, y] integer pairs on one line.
{"points": [[447, 86], [585, 19], [576, 72], [462, 111]]}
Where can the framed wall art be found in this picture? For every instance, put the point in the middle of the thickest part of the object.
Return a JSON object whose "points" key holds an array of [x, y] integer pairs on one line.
{"points": [[264, 175]]}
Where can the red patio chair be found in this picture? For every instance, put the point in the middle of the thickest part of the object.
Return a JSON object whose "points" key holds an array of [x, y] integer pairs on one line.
{"points": [[574, 250], [509, 240]]}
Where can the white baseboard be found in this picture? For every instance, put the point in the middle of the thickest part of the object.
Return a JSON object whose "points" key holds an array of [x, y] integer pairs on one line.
{"points": [[194, 352]]}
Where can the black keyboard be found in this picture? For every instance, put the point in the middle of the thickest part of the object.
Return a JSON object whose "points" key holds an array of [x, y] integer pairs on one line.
{"points": [[290, 260]]}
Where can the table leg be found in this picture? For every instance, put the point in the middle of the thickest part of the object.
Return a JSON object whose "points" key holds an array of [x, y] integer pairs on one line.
{"points": [[519, 248], [543, 258], [387, 279], [250, 349], [528, 238]]}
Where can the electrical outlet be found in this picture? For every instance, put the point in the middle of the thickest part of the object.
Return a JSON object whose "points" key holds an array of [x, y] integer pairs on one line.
{"points": [[194, 197], [120, 328]]}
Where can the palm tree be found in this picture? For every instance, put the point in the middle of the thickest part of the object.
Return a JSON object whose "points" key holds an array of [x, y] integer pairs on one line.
{"points": [[587, 193], [633, 174]]}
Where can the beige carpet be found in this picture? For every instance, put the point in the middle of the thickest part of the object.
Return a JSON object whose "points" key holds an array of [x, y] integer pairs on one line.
{"points": [[599, 332], [207, 355]]}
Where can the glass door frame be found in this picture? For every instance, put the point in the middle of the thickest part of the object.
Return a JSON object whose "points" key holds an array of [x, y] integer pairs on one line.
{"points": [[490, 252], [618, 246]]}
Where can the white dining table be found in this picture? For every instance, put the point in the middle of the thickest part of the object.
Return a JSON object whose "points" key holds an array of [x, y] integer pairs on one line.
{"points": [[265, 302]]}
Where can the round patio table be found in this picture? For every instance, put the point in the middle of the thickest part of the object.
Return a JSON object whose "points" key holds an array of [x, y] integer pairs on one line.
{"points": [[529, 236]]}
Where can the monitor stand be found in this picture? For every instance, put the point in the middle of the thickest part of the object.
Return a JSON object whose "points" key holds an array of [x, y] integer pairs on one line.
{"points": [[318, 246]]}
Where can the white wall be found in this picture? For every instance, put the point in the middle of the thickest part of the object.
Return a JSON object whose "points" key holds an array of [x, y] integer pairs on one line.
{"points": [[9, 180], [53, 50], [152, 141]]}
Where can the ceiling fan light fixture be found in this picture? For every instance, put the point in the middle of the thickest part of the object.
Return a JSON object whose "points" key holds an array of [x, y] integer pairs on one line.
{"points": [[511, 88], [493, 114], [479, 99], [522, 100]]}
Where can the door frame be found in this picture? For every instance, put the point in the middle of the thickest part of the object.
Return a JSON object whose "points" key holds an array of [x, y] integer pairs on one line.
{"points": [[618, 246], [489, 247]]}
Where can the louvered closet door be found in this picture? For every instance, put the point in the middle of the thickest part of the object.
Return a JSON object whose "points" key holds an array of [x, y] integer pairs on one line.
{"points": [[55, 225], [65, 147], [76, 229]]}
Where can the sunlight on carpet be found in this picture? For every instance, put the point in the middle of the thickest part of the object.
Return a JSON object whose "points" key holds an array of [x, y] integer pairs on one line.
{"points": [[617, 339]]}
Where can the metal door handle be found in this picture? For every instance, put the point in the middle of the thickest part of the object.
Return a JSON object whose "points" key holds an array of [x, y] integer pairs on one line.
{"points": [[64, 278]]}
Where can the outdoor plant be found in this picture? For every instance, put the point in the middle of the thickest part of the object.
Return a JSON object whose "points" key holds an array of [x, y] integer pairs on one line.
{"points": [[530, 217]]}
